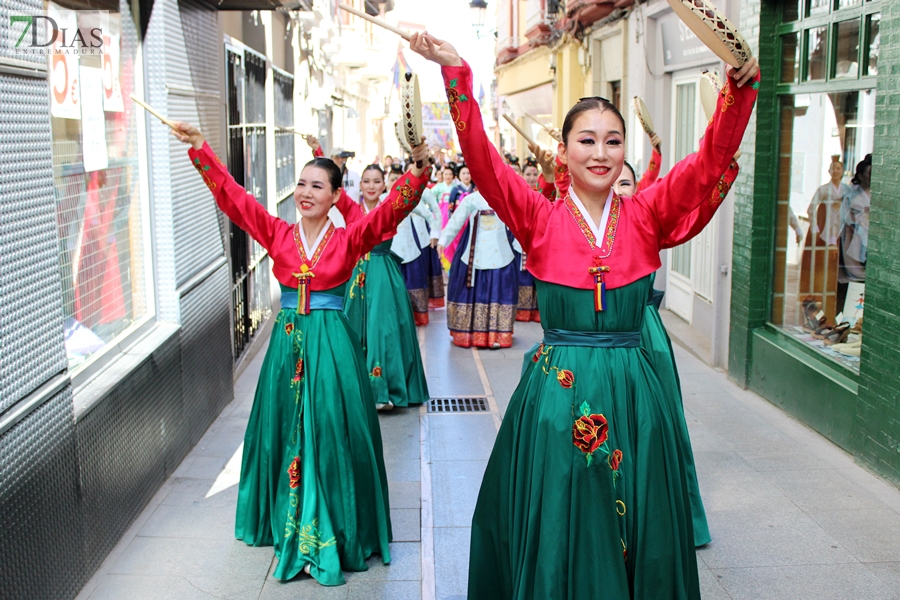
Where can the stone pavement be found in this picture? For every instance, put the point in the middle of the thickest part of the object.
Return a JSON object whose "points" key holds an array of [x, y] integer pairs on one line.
{"points": [[792, 517]]}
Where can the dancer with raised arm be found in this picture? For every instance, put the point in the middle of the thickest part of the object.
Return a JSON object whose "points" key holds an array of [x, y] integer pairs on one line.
{"points": [[378, 307], [312, 482], [585, 493]]}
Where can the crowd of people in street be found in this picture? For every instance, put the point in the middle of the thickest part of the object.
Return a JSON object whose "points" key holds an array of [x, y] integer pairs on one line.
{"points": [[591, 485]]}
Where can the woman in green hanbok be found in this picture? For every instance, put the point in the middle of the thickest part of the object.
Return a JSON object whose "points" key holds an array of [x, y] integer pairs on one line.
{"points": [[585, 494], [379, 310], [312, 482]]}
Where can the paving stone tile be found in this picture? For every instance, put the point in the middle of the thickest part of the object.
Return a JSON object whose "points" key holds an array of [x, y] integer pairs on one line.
{"points": [[167, 587], [805, 582], [710, 584], [406, 524], [461, 437], [755, 538], [455, 485], [405, 494], [302, 588], [889, 573], [822, 490], [871, 535], [195, 522], [400, 435], [451, 561], [402, 469], [385, 590], [193, 557], [193, 492], [406, 565], [729, 489]]}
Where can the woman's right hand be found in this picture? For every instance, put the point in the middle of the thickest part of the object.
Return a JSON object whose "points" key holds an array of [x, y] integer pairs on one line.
{"points": [[187, 133], [435, 50], [546, 160], [419, 157], [312, 141], [440, 250]]}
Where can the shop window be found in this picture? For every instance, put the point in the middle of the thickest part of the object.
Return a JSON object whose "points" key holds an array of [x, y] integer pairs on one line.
{"points": [[872, 42], [790, 57], [823, 219], [817, 7], [816, 53], [847, 49], [105, 267]]}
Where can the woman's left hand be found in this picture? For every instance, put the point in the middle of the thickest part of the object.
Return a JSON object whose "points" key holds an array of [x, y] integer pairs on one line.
{"points": [[745, 73], [435, 50]]}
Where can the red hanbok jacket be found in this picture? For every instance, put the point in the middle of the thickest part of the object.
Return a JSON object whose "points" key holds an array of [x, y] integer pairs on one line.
{"points": [[560, 245], [332, 262]]}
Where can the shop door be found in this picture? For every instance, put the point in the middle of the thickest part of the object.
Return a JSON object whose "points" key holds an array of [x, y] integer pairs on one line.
{"points": [[681, 263]]}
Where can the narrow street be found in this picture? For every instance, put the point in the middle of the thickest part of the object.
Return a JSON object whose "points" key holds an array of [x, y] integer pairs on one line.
{"points": [[792, 516]]}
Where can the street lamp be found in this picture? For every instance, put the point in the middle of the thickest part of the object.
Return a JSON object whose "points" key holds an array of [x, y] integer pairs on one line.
{"points": [[478, 8]]}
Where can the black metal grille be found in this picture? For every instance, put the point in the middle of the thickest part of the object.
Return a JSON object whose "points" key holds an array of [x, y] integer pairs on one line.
{"points": [[245, 80], [458, 405]]}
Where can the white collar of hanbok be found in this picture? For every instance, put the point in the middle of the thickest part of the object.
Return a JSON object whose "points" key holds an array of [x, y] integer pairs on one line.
{"points": [[310, 250], [604, 219]]}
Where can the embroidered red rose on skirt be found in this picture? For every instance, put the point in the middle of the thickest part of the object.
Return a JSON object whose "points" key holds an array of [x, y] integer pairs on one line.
{"points": [[615, 459], [298, 371], [565, 378], [289, 328], [294, 473], [376, 372], [537, 355], [589, 432]]}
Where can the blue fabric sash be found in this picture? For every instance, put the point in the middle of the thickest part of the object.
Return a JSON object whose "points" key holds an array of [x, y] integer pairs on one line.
{"points": [[593, 339], [317, 301], [655, 298]]}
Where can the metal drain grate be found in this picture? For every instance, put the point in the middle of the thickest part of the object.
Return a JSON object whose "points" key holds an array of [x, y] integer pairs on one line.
{"points": [[458, 405]]}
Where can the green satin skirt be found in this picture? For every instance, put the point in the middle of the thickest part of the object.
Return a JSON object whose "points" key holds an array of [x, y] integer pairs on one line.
{"points": [[378, 308], [313, 482], [585, 494], [656, 341]]}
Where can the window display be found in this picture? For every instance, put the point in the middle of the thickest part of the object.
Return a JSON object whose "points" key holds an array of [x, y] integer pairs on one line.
{"points": [[823, 220], [103, 259], [831, 48]]}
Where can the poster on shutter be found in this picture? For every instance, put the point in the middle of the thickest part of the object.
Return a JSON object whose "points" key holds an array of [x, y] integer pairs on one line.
{"points": [[64, 100], [93, 120], [112, 90]]}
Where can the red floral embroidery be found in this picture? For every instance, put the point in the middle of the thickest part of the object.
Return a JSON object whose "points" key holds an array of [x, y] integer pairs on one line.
{"points": [[565, 378], [289, 328], [538, 353], [298, 371], [407, 196], [589, 432], [294, 473], [360, 280], [454, 98], [376, 372], [615, 459]]}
